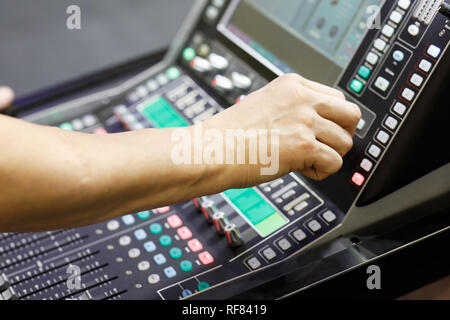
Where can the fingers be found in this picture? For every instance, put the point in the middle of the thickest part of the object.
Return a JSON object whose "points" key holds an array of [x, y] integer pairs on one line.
{"points": [[6, 97], [334, 136], [325, 162], [320, 88], [342, 112]]}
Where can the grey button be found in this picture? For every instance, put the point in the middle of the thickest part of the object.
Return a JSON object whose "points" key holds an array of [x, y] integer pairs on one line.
{"points": [[153, 278], [269, 254], [254, 263], [299, 235], [314, 225], [284, 244], [329, 216], [77, 124], [89, 120]]}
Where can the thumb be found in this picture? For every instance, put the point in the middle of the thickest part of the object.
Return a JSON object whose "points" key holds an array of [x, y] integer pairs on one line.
{"points": [[6, 97]]}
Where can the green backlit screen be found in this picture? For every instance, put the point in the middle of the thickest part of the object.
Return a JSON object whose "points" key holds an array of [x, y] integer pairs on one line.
{"points": [[264, 218], [161, 114]]}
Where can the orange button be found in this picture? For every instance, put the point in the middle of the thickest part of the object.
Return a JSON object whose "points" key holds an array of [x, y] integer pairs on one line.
{"points": [[205, 257], [195, 245], [184, 233]]}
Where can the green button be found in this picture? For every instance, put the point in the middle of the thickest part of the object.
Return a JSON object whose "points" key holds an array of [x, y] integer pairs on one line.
{"points": [[66, 126], [173, 73], [189, 54], [176, 253], [156, 228], [143, 215], [364, 72], [356, 86], [165, 240], [202, 286], [186, 266]]}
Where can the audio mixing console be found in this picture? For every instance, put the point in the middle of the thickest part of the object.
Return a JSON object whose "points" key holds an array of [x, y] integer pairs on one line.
{"points": [[182, 251]]}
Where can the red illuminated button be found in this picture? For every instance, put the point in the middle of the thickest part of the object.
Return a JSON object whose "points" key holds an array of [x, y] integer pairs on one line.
{"points": [[174, 221], [100, 131], [205, 257], [358, 179], [195, 245], [163, 210], [184, 233]]}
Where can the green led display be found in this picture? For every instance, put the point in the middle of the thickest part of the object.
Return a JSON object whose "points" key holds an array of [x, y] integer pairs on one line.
{"points": [[262, 216], [161, 114]]}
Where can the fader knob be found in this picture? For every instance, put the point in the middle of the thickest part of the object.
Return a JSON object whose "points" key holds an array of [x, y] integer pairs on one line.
{"points": [[220, 221], [233, 235], [208, 209], [222, 83], [241, 81], [197, 203], [218, 62], [201, 65]]}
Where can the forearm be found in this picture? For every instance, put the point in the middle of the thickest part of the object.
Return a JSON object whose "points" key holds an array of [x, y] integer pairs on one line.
{"points": [[54, 179]]}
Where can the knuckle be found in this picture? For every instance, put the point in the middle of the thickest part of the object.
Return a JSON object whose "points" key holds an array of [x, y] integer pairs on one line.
{"points": [[356, 113], [348, 143]]}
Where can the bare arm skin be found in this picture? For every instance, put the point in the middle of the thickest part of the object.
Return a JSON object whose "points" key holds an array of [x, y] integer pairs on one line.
{"points": [[52, 179]]}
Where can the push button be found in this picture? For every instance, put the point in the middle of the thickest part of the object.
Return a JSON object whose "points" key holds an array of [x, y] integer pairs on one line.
{"points": [[202, 286], [380, 45], [175, 253], [165, 240], [391, 123], [388, 31], [382, 84], [128, 219], [358, 179], [174, 221], [140, 234], [186, 266], [425, 65], [364, 72], [254, 263], [375, 152], [195, 245], [284, 244], [269, 254], [404, 4], [408, 94], [314, 225], [170, 272], [372, 58], [149, 246], [153, 278], [329, 216], [356, 85], [184, 233], [155, 228], [399, 108], [113, 225], [383, 137], [205, 258], [159, 259], [416, 80], [299, 235], [434, 51], [398, 55], [366, 164], [396, 16], [143, 215]]}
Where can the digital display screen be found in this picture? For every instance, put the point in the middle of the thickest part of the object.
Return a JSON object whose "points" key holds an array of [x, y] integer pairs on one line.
{"points": [[315, 38]]}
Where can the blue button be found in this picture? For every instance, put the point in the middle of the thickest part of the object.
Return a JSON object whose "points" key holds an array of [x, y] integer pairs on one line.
{"points": [[140, 234], [186, 293], [128, 219], [170, 272], [398, 55], [149, 246], [159, 258]]}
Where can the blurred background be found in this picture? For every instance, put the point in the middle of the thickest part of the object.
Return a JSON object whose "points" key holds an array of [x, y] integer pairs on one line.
{"points": [[37, 50]]}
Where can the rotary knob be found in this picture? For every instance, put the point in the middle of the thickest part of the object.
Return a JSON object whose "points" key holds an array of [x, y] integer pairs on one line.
{"points": [[233, 235], [220, 221]]}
